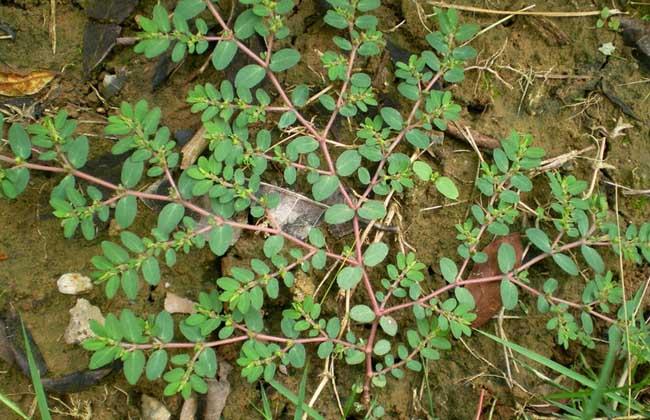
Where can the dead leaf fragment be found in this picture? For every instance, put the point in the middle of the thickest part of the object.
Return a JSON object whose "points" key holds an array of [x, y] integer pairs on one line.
{"points": [[487, 296], [175, 304], [15, 84], [218, 391]]}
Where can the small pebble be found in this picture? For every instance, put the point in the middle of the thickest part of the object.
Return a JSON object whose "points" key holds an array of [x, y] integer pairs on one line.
{"points": [[73, 284], [79, 327], [152, 409]]}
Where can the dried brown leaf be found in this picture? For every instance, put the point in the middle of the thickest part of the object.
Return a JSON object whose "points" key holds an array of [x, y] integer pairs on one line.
{"points": [[487, 296], [15, 84]]}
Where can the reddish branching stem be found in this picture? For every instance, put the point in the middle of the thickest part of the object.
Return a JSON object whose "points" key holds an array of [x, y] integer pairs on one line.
{"points": [[357, 260]]}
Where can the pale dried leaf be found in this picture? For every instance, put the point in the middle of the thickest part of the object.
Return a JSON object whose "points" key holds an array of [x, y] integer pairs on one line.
{"points": [[193, 149], [218, 391], [15, 84], [175, 304]]}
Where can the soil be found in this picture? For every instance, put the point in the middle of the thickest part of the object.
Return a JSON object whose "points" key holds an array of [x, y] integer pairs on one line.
{"points": [[562, 113]]}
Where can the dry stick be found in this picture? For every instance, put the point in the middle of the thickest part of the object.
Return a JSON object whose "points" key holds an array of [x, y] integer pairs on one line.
{"points": [[626, 324], [495, 24], [320, 387], [480, 405], [598, 164], [613, 12], [53, 25]]}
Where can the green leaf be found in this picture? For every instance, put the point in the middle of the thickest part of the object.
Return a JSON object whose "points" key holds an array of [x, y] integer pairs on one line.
{"points": [[302, 144], [245, 24], [132, 327], [187, 9], [338, 213], [78, 151], [170, 216], [566, 263], [422, 170], [354, 357], [509, 294], [455, 75], [327, 101], [115, 253], [129, 282], [151, 271], [132, 242], [19, 142], [349, 277], [448, 269], [375, 253], [154, 47], [156, 364], [388, 324], [134, 366], [220, 239], [348, 162], [382, 347], [325, 187], [131, 173], [409, 91], [273, 245], [446, 187], [223, 54], [372, 210], [362, 314], [206, 364], [164, 326], [336, 20], [593, 258], [506, 257], [161, 18], [392, 117], [539, 238], [368, 5], [126, 210], [284, 59], [249, 76], [286, 119], [464, 53], [325, 349]]}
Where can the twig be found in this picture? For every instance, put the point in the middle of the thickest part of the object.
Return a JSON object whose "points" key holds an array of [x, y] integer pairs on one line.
{"points": [[53, 25], [479, 408], [613, 12], [497, 23]]}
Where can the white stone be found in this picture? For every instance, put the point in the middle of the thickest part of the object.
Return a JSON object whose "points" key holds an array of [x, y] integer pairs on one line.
{"points": [[73, 284], [152, 409], [79, 327]]}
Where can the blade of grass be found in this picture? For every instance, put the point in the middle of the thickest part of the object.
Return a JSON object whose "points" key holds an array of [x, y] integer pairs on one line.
{"points": [[12, 406], [563, 370], [605, 373], [288, 394], [266, 405], [41, 398], [265, 412], [302, 394], [349, 402]]}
